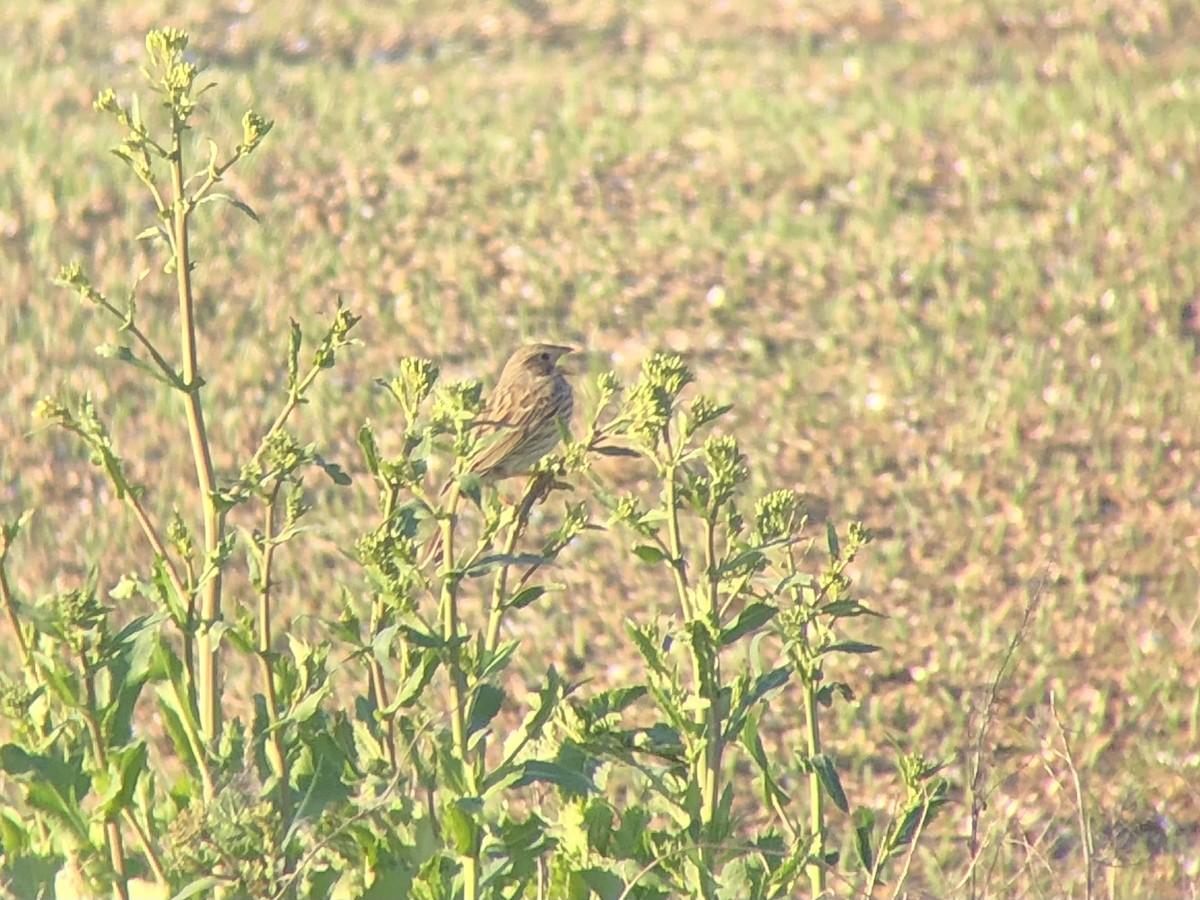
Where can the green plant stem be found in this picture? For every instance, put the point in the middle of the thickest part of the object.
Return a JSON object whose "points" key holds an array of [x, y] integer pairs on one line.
{"points": [[294, 397], [675, 543], [705, 772], [816, 801], [10, 610], [112, 831], [214, 526], [457, 688], [378, 687], [274, 746], [714, 744], [376, 683], [152, 857], [195, 740], [127, 324], [184, 592], [500, 585]]}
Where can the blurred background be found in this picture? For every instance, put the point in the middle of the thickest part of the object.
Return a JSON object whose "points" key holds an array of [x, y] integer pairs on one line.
{"points": [[942, 256]]}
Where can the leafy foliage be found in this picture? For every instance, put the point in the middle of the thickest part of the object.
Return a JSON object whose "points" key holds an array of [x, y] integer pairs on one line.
{"points": [[412, 788]]}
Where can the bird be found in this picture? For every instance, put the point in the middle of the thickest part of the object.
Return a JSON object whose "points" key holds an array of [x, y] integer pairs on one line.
{"points": [[522, 420], [525, 415]]}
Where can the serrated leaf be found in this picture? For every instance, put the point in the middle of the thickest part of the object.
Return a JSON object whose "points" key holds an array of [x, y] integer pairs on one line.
{"points": [[335, 472], [615, 700]]}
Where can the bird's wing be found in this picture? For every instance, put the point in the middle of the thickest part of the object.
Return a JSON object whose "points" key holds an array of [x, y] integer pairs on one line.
{"points": [[504, 422]]}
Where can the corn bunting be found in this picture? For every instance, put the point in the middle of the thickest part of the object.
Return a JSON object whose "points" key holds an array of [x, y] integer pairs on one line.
{"points": [[522, 420], [525, 415]]}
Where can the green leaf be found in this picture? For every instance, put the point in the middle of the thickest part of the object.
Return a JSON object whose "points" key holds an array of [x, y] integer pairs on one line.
{"points": [[123, 354], [295, 338], [831, 537], [496, 560], [648, 553], [830, 780], [864, 827], [307, 707], [646, 646], [30, 875], [423, 638], [130, 763], [420, 676], [747, 559], [796, 580], [64, 811], [523, 598], [605, 884], [460, 825], [153, 232], [570, 780], [65, 777], [16, 761], [752, 618], [323, 786], [614, 450], [764, 684], [484, 706], [497, 661], [231, 200], [204, 887], [827, 691], [390, 882], [850, 647], [335, 472], [615, 700], [177, 720], [847, 609]]}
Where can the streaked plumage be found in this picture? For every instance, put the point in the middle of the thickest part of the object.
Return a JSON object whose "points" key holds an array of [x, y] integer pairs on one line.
{"points": [[522, 420], [525, 415]]}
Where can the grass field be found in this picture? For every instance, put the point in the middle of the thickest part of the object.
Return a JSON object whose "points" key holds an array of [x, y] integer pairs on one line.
{"points": [[941, 255]]}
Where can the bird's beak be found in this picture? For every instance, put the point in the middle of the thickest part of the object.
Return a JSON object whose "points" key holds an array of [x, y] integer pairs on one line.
{"points": [[572, 367]]}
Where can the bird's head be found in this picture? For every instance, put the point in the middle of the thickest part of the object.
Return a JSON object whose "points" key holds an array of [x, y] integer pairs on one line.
{"points": [[537, 359]]}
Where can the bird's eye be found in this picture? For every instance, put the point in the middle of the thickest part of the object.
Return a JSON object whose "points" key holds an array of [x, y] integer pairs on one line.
{"points": [[545, 356]]}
